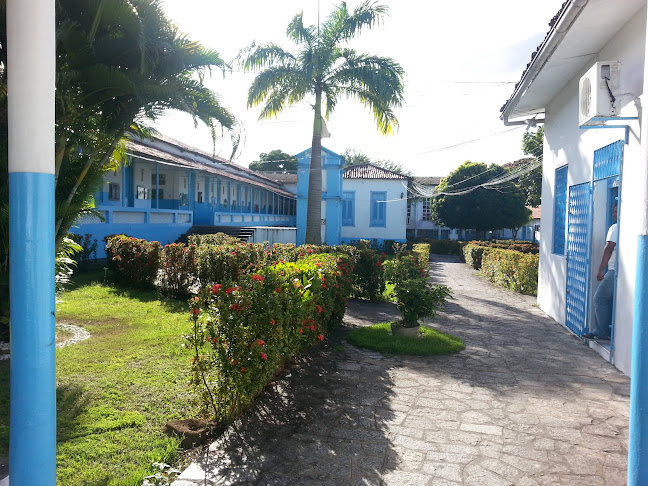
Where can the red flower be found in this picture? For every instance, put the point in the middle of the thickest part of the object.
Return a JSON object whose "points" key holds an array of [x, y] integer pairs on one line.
{"points": [[215, 288], [230, 290], [278, 290], [320, 337], [273, 322], [260, 342], [319, 308], [236, 307], [258, 278], [242, 369], [195, 312], [323, 286], [264, 356], [301, 331], [310, 250], [312, 328]]}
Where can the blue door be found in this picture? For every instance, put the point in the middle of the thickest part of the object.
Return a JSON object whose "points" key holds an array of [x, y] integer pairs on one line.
{"points": [[578, 257]]}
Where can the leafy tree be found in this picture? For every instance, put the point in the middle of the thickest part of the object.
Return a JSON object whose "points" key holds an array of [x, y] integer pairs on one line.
{"points": [[354, 157], [531, 182], [119, 64], [473, 198], [326, 70], [275, 161]]}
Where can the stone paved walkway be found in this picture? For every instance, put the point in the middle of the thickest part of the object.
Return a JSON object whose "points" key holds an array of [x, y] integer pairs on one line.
{"points": [[525, 404]]}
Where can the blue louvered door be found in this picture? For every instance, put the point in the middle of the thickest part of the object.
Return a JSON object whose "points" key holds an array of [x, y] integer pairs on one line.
{"points": [[578, 257]]}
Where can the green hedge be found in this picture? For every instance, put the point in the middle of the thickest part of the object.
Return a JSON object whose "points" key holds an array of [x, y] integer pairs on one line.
{"points": [[511, 269], [473, 254], [440, 247]]}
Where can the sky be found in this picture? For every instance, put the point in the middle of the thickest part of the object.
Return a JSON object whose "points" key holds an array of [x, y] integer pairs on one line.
{"points": [[461, 62]]}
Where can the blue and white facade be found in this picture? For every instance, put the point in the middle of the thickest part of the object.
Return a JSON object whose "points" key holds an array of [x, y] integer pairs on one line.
{"points": [[167, 187], [589, 167]]}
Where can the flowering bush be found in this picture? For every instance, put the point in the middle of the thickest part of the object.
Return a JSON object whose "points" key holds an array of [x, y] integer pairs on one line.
{"points": [[178, 264], [244, 331], [417, 299], [221, 263], [134, 261], [368, 275], [406, 266], [218, 239]]}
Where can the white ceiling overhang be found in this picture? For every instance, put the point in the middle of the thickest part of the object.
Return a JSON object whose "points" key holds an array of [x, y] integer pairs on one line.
{"points": [[582, 30]]}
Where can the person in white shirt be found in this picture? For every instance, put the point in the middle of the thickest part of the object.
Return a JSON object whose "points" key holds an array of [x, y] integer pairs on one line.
{"points": [[604, 296]]}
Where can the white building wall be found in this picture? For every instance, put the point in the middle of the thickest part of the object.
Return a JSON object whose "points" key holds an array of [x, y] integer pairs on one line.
{"points": [[566, 143], [396, 209]]}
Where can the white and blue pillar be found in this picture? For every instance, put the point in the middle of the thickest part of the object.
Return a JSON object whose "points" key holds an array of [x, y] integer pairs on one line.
{"points": [[31, 70], [638, 439]]}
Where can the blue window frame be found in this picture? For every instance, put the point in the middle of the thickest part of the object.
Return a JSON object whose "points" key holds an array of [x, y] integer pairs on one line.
{"points": [[348, 208], [378, 208], [560, 211]]}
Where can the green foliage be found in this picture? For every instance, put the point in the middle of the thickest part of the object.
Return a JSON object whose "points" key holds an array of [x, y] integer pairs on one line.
{"points": [[244, 332], [134, 262], [217, 239], [326, 69], [416, 298], [275, 161], [474, 206], [87, 257], [227, 263], [379, 338], [422, 251], [441, 247], [473, 252], [511, 269], [368, 274], [65, 262], [178, 264]]}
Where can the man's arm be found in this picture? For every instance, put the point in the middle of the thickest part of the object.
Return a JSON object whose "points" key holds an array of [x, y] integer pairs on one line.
{"points": [[607, 253]]}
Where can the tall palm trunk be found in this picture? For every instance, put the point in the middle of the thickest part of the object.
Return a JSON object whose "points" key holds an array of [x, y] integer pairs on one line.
{"points": [[314, 211]]}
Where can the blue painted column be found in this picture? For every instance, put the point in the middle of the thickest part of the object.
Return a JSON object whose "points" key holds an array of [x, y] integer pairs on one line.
{"points": [[31, 72], [638, 439]]}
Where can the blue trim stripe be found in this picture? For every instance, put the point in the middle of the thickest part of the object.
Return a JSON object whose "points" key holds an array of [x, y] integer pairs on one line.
{"points": [[32, 433], [638, 440]]}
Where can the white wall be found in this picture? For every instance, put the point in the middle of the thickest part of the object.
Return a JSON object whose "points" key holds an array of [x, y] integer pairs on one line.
{"points": [[396, 209], [565, 143]]}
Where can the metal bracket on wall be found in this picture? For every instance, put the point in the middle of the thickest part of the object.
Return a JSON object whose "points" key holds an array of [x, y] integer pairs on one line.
{"points": [[615, 118]]}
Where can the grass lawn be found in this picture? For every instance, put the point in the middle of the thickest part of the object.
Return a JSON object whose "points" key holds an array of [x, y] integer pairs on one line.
{"points": [[378, 338], [116, 390]]}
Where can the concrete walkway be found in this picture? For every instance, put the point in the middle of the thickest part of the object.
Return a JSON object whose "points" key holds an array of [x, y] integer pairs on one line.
{"points": [[525, 404]]}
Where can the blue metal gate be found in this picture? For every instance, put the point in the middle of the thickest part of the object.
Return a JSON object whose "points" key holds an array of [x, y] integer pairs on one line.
{"points": [[578, 257]]}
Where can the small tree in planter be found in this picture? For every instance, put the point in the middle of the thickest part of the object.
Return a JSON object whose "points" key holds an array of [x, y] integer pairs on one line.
{"points": [[417, 300]]}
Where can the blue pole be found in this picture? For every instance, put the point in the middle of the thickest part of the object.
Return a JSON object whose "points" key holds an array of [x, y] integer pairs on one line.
{"points": [[638, 440], [31, 71]]}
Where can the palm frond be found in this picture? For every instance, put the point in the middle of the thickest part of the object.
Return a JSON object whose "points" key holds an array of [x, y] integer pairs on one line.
{"points": [[298, 33], [255, 57]]}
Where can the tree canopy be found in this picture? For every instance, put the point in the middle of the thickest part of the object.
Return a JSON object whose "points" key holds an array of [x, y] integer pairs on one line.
{"points": [[477, 196], [275, 161], [354, 157], [531, 182], [325, 69]]}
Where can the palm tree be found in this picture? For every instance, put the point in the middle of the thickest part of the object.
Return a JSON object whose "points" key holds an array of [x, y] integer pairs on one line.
{"points": [[325, 69]]}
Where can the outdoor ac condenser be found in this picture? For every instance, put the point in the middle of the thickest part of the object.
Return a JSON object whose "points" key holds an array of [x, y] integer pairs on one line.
{"points": [[596, 92]]}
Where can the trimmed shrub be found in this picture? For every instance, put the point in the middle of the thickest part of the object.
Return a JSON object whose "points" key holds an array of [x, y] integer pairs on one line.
{"points": [[422, 250], [218, 239], [473, 254], [441, 247], [227, 263], [178, 264], [244, 332], [368, 277], [511, 269], [135, 262]]}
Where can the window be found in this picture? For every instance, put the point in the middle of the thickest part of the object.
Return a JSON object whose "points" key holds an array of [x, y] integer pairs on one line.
{"points": [[378, 201], [560, 211], [348, 208], [113, 192], [427, 213]]}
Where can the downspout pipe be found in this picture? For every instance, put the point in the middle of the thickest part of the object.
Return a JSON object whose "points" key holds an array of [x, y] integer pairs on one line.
{"points": [[545, 51], [31, 62], [638, 438]]}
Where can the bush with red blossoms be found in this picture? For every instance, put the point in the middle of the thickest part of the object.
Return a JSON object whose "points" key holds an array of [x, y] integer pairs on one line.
{"points": [[245, 331], [134, 262], [178, 264]]}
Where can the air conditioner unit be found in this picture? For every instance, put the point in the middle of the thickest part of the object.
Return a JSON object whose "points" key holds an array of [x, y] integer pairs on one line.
{"points": [[595, 92]]}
